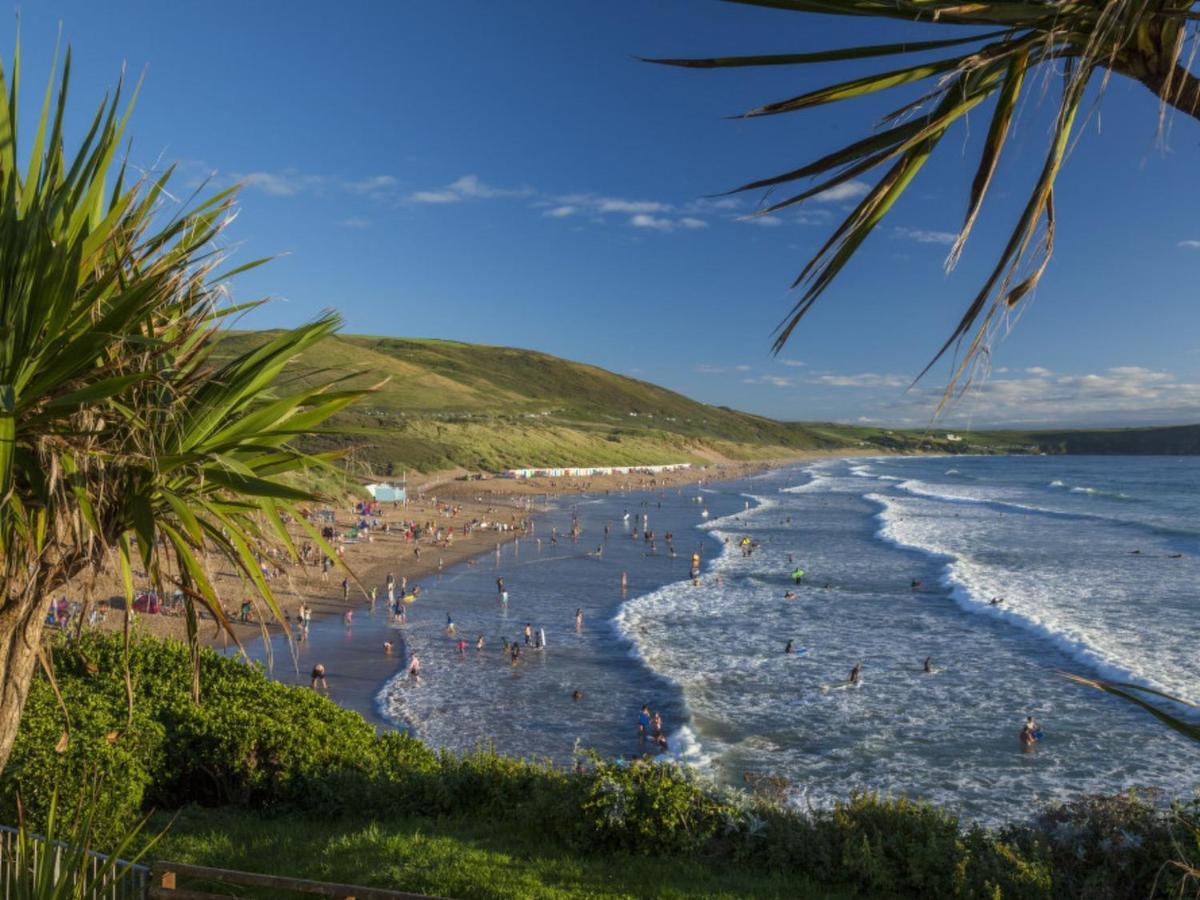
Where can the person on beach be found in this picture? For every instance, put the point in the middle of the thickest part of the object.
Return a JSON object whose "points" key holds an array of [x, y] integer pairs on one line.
{"points": [[414, 667], [318, 675], [643, 723], [856, 674], [345, 590], [528, 633]]}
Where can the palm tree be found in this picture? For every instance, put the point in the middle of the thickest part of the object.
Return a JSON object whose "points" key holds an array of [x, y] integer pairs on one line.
{"points": [[1007, 42], [123, 439]]}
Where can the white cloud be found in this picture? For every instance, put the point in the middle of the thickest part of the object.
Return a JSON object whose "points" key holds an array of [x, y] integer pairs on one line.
{"points": [[774, 380], [791, 362], [1039, 371], [561, 212], [705, 369], [375, 185], [863, 380], [434, 197], [287, 183], [468, 187], [847, 190], [631, 207], [643, 220], [692, 222], [764, 221], [1190, 244], [925, 237], [742, 368], [354, 222]]}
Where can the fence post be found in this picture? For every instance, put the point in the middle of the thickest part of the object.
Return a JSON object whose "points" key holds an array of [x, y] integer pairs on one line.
{"points": [[166, 880]]}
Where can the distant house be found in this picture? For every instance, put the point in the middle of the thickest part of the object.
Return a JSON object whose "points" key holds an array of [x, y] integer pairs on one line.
{"points": [[950, 436], [386, 493], [587, 471]]}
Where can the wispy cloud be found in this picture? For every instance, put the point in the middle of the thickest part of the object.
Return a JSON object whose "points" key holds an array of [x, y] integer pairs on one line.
{"points": [[762, 221], [922, 236], [645, 220], [1190, 244], [847, 190], [286, 183], [468, 187], [561, 212], [791, 362], [354, 222], [863, 380], [773, 380]]}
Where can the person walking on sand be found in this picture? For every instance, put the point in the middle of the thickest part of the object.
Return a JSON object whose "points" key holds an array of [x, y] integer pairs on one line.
{"points": [[345, 590], [318, 676]]}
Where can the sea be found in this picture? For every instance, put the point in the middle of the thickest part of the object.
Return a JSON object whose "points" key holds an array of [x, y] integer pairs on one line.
{"points": [[1005, 572]]}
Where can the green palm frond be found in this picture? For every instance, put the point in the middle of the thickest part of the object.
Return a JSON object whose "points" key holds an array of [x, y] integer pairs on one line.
{"points": [[1140, 39], [120, 436]]}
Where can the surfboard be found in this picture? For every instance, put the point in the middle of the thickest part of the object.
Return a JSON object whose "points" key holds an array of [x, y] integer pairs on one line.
{"points": [[408, 598], [840, 685], [542, 637]]}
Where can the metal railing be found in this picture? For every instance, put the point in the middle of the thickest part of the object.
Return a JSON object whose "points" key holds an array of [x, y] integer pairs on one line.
{"points": [[133, 884]]}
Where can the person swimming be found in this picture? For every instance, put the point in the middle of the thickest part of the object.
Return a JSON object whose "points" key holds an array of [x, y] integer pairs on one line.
{"points": [[414, 668], [1029, 733], [916, 584], [790, 648], [577, 695], [928, 667], [789, 595], [856, 674]]}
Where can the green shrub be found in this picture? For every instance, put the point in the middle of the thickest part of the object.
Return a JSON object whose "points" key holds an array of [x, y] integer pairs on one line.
{"points": [[256, 744]]}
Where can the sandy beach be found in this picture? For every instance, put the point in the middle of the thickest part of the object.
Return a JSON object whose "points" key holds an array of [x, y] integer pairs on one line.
{"points": [[492, 507]]}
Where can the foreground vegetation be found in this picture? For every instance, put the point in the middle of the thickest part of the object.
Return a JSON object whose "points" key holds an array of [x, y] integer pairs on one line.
{"points": [[273, 778]]}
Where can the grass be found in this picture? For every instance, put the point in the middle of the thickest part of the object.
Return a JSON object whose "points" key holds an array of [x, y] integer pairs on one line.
{"points": [[447, 404], [449, 858]]}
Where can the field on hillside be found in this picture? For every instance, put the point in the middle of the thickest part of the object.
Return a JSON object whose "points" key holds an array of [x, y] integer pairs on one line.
{"points": [[445, 404]]}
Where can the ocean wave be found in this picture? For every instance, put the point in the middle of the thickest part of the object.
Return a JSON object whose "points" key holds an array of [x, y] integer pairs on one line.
{"points": [[966, 582]]}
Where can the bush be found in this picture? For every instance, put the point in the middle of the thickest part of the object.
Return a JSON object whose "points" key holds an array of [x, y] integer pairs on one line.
{"points": [[254, 743]]}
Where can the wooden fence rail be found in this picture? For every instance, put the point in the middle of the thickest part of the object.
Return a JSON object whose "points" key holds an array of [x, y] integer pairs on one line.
{"points": [[164, 877]]}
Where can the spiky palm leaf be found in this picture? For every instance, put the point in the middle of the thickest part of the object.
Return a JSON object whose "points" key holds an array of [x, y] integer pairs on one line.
{"points": [[120, 435], [1142, 39]]}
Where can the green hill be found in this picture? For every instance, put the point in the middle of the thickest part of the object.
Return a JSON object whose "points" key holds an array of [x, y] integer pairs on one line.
{"points": [[448, 404]]}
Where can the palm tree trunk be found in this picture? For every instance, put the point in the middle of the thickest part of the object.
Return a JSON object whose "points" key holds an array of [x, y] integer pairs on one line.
{"points": [[21, 621]]}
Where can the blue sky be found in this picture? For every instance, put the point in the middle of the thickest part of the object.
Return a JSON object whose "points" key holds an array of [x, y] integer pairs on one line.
{"points": [[509, 173]]}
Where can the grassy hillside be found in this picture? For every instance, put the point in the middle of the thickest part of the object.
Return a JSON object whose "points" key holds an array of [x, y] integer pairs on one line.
{"points": [[448, 404]]}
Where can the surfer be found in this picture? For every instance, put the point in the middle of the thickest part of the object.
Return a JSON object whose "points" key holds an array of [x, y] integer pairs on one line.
{"points": [[797, 575], [856, 674], [789, 648], [928, 667]]}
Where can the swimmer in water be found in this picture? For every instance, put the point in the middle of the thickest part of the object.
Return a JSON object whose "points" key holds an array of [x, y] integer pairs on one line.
{"points": [[1028, 736], [916, 584], [928, 665], [856, 674], [789, 648], [995, 601], [579, 619], [414, 668], [387, 648], [789, 595], [577, 695]]}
